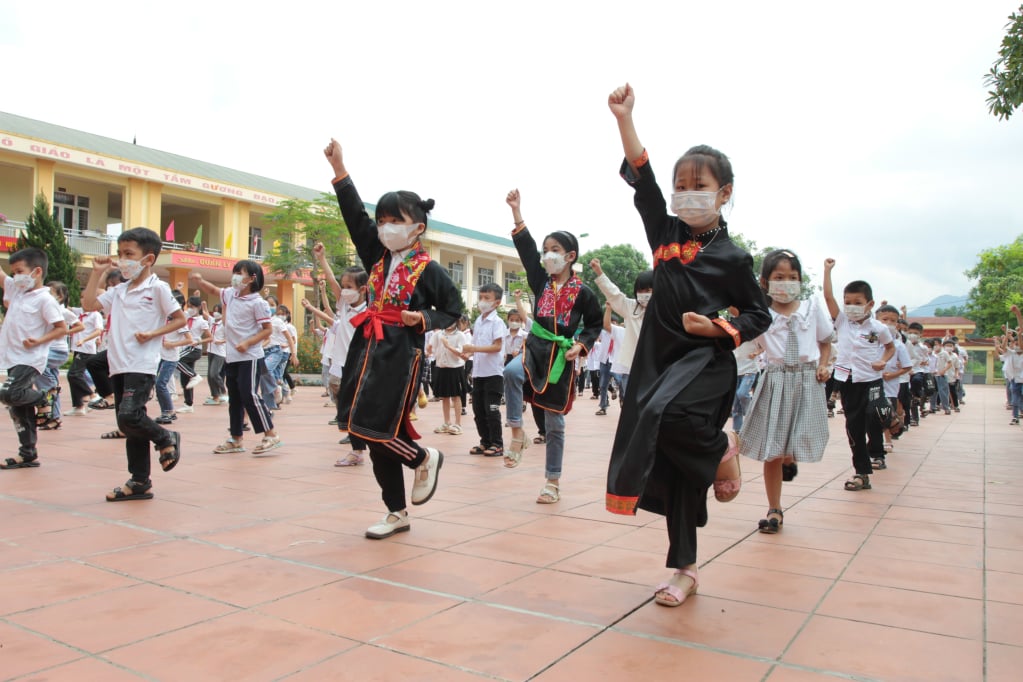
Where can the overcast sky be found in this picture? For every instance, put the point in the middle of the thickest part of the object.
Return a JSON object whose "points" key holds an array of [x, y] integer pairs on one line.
{"points": [[856, 130]]}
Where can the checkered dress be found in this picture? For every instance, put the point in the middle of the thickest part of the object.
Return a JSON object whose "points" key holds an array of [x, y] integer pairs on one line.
{"points": [[788, 415]]}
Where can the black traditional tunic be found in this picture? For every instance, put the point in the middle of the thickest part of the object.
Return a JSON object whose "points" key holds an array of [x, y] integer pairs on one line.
{"points": [[561, 311], [385, 357], [704, 275]]}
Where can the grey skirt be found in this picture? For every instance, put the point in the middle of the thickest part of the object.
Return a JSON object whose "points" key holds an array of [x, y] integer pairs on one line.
{"points": [[788, 416]]}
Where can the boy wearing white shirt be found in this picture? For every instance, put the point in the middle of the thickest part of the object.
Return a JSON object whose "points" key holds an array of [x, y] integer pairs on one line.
{"points": [[33, 321], [864, 347], [141, 312], [84, 346], [488, 372]]}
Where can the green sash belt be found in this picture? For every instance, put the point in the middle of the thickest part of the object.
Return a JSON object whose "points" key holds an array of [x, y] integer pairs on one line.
{"points": [[561, 342]]}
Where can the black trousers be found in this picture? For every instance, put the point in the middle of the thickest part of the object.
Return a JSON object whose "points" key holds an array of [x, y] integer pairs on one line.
{"points": [[388, 459], [186, 368], [242, 379], [76, 378], [859, 426], [99, 370], [21, 396], [215, 375], [486, 410], [595, 382], [690, 445], [131, 393]]}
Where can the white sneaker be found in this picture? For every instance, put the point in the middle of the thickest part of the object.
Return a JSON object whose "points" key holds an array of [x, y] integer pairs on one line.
{"points": [[78, 411], [394, 522], [185, 409], [443, 428], [194, 381], [211, 401], [278, 395], [223, 399], [426, 477]]}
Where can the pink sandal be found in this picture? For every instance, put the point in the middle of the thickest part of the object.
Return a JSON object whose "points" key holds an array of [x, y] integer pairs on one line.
{"points": [[676, 593], [726, 490]]}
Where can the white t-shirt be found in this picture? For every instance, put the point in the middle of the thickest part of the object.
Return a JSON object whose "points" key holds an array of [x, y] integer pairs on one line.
{"points": [[900, 360], [62, 344], [617, 344], [144, 308], [218, 342], [859, 344], [744, 364], [92, 321], [278, 329], [632, 317], [488, 330], [30, 315], [513, 342], [445, 357], [244, 317], [197, 326], [593, 358], [342, 338], [813, 326]]}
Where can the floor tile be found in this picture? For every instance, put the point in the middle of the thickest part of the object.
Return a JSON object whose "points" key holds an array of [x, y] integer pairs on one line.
{"points": [[567, 595], [1004, 662], [520, 549], [373, 664], [885, 653], [490, 640], [165, 559], [1005, 587], [24, 652], [454, 574], [916, 575], [787, 559], [1005, 623], [908, 609], [242, 646], [87, 669], [358, 609], [762, 586], [618, 656], [28, 588], [251, 581]]}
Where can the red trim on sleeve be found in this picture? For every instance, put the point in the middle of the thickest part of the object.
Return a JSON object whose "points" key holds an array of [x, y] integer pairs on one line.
{"points": [[518, 229], [338, 179], [643, 160], [732, 331]]}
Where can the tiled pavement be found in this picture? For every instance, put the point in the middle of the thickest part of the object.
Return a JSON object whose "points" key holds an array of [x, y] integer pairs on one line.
{"points": [[256, 568]]}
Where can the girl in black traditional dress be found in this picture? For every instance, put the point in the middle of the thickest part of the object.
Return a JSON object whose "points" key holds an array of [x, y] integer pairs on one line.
{"points": [[544, 373], [670, 447], [408, 294]]}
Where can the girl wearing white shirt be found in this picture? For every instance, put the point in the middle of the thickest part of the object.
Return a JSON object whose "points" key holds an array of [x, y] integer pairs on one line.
{"points": [[788, 419], [48, 418], [216, 356], [449, 381]]}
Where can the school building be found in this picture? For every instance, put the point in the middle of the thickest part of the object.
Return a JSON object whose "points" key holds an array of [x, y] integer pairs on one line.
{"points": [[99, 186]]}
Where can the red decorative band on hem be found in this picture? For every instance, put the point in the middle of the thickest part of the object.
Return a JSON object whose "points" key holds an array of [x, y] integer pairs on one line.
{"points": [[732, 331], [617, 504]]}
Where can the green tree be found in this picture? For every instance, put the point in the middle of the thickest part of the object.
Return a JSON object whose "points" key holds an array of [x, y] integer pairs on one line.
{"points": [[951, 311], [621, 263], [999, 277], [295, 225], [42, 231], [1006, 74]]}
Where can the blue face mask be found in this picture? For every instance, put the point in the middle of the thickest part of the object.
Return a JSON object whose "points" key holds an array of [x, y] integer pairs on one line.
{"points": [[273, 309]]}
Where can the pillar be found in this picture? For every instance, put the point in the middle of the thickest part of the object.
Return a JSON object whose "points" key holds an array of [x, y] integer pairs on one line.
{"points": [[470, 279], [42, 180], [178, 275]]}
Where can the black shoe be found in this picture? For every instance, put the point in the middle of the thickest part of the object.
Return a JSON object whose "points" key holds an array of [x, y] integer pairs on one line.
{"points": [[165, 418], [878, 464], [789, 471], [347, 440]]}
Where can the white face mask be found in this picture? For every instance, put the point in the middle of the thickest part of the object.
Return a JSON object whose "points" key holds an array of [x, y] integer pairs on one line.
{"points": [[553, 262], [784, 291], [855, 312], [485, 306], [914, 338], [643, 299], [130, 269], [697, 209], [395, 236], [237, 281], [515, 326], [216, 316], [349, 296], [24, 282], [892, 328]]}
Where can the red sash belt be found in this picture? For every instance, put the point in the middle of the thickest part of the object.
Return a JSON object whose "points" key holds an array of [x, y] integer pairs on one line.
{"points": [[377, 319]]}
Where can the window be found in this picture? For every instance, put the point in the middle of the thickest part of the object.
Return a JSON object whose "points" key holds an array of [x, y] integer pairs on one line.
{"points": [[255, 241], [72, 212], [484, 276], [457, 273], [511, 281]]}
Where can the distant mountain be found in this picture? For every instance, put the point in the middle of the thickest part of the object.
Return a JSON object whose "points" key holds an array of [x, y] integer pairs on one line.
{"points": [[945, 301]]}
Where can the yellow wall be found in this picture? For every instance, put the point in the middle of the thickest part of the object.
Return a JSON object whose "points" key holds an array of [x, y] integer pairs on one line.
{"points": [[16, 196]]}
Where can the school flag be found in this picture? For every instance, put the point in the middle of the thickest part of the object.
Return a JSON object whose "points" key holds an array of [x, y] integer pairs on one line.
{"points": [[169, 234], [228, 242], [198, 237]]}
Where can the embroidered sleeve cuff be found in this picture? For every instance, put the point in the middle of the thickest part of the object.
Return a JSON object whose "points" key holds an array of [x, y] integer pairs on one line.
{"points": [[426, 322], [519, 228], [340, 179], [732, 331], [643, 159]]}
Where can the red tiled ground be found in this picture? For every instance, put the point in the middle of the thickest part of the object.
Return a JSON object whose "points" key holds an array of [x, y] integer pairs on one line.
{"points": [[257, 568]]}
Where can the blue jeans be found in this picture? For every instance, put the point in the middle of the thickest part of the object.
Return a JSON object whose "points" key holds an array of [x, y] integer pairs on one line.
{"points": [[50, 378], [163, 377], [743, 395], [942, 392], [1015, 397], [273, 360], [514, 380], [605, 381]]}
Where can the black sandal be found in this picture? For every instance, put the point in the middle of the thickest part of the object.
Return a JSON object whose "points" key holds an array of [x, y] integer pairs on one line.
{"points": [[769, 525], [477, 450], [540, 439], [858, 482], [169, 460], [110, 435], [21, 463], [49, 425], [132, 490]]}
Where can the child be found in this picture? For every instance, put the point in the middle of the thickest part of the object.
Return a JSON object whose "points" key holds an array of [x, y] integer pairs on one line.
{"points": [[84, 346], [487, 371], [189, 344], [920, 379], [408, 294], [287, 382], [632, 312], [246, 327], [276, 350], [448, 348], [864, 347], [170, 352], [788, 420], [48, 416], [614, 336], [516, 336], [747, 369], [33, 321], [670, 447], [141, 311], [544, 374], [350, 293], [897, 366], [216, 355]]}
